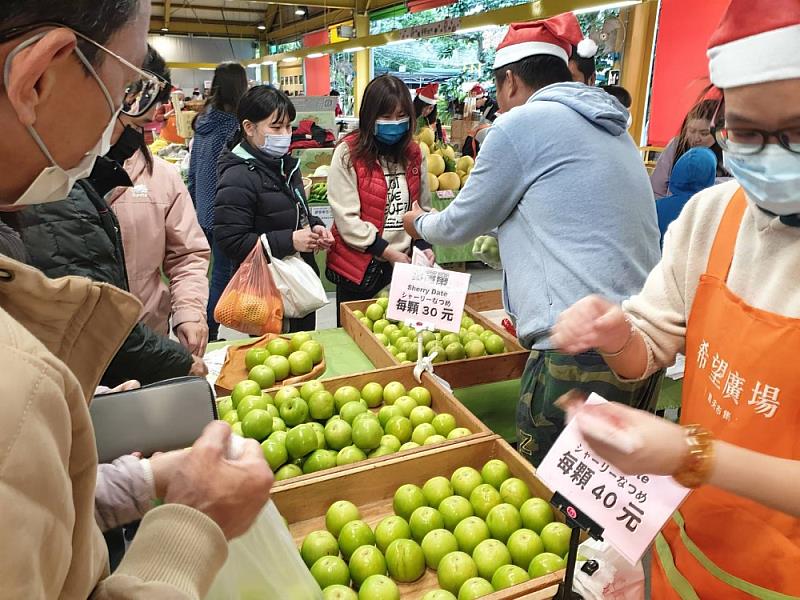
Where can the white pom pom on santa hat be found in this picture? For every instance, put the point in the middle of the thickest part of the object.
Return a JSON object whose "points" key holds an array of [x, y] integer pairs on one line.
{"points": [[587, 48]]}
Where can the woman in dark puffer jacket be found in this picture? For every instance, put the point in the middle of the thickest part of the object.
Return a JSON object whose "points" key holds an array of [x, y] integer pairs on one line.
{"points": [[261, 190]]}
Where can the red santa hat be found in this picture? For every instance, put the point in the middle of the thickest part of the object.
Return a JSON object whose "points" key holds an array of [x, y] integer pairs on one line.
{"points": [[428, 93], [554, 36], [756, 41]]}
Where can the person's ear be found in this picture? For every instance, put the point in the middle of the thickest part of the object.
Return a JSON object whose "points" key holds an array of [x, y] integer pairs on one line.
{"points": [[511, 82], [31, 79]]}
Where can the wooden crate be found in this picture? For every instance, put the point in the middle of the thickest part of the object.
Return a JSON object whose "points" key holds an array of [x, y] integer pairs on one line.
{"points": [[483, 301], [442, 401], [372, 488], [458, 373]]}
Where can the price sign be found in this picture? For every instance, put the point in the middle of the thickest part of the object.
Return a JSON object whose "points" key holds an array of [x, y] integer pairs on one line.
{"points": [[631, 509], [428, 296]]}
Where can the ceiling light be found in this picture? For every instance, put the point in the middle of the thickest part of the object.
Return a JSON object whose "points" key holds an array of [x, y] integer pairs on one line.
{"points": [[266, 63], [397, 42], [261, 27], [289, 59], [165, 29], [206, 68], [253, 65], [598, 8], [356, 49], [316, 55], [300, 11]]}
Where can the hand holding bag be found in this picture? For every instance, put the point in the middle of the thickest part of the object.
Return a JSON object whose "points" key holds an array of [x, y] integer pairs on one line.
{"points": [[300, 288]]}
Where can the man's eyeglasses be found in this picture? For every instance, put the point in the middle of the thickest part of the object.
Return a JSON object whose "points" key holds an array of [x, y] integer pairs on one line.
{"points": [[144, 89], [749, 141]]}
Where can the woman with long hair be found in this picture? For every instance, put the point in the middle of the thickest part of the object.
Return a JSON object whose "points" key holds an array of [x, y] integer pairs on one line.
{"points": [[376, 174], [212, 129]]}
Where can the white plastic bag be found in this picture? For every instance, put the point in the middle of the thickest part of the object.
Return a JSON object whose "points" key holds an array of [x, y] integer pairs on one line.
{"points": [[264, 563], [300, 288], [616, 579]]}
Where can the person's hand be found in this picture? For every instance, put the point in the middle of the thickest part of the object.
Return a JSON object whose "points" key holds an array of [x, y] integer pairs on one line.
{"points": [[231, 491], [193, 337], [635, 441], [164, 466], [199, 368], [395, 256], [305, 240], [126, 386], [592, 322], [430, 256], [325, 241], [410, 217]]}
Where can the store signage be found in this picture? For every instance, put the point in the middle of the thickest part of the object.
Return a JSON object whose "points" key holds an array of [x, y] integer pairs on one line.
{"points": [[631, 509], [432, 29], [613, 77], [323, 212], [427, 296]]}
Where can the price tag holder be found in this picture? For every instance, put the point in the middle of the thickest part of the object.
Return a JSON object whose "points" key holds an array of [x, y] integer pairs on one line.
{"points": [[430, 297], [630, 509]]}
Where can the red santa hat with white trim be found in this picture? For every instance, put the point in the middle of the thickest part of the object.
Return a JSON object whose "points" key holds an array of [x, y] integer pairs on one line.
{"points": [[428, 93], [756, 41], [555, 36]]}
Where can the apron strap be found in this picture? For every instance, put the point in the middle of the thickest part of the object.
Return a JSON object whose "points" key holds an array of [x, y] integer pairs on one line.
{"points": [[678, 582], [719, 261]]}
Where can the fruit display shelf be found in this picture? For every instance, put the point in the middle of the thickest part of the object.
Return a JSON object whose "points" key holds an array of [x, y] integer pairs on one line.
{"points": [[442, 401], [372, 487], [458, 373]]}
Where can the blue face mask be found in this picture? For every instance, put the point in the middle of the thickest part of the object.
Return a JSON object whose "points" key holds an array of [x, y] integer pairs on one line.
{"points": [[771, 178], [391, 132]]}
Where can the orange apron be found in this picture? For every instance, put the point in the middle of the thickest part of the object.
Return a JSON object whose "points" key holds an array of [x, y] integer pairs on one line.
{"points": [[742, 384]]}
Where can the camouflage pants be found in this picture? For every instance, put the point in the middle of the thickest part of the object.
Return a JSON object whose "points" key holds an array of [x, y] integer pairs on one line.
{"points": [[548, 375]]}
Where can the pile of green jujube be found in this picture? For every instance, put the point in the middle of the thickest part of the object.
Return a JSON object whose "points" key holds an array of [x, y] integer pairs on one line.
{"points": [[480, 531], [319, 194], [310, 429]]}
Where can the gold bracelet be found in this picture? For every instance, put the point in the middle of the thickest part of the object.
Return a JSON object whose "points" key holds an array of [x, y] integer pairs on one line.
{"points": [[695, 469], [625, 345]]}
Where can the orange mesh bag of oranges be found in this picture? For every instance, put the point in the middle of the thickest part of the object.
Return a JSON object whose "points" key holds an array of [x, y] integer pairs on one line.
{"points": [[251, 303]]}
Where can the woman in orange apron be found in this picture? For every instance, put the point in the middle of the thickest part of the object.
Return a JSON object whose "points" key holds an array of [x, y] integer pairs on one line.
{"points": [[726, 294]]}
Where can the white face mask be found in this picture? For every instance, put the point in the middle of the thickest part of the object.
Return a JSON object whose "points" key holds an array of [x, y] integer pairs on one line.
{"points": [[771, 178], [276, 145], [55, 182]]}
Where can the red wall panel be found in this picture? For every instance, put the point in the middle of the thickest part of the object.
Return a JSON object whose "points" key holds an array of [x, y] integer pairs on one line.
{"points": [[318, 70]]}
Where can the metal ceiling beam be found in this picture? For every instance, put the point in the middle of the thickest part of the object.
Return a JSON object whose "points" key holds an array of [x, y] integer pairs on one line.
{"points": [[331, 17], [250, 11], [218, 28], [167, 13], [257, 10], [269, 17]]}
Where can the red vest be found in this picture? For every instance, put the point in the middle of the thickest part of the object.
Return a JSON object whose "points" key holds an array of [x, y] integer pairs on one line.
{"points": [[372, 191]]}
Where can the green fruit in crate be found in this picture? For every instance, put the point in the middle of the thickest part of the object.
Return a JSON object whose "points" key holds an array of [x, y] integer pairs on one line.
{"points": [[495, 472], [298, 339], [437, 489], [422, 432], [390, 328], [367, 434], [279, 346], [476, 587], [455, 509], [366, 415], [503, 520], [555, 537], [367, 322], [406, 404], [386, 413], [536, 513], [300, 363], [391, 442], [319, 460], [430, 345], [390, 529], [465, 480], [508, 576], [358, 314], [287, 472], [284, 394], [409, 446], [401, 357], [366, 561], [345, 394], [273, 412], [420, 415], [351, 409], [339, 592], [382, 339], [321, 405], [439, 595], [378, 587], [255, 356], [263, 376], [450, 338], [231, 417], [468, 337], [301, 440], [277, 435], [437, 544], [319, 430], [475, 328], [423, 520], [278, 424], [403, 344], [458, 432], [455, 569], [274, 453], [474, 349], [249, 403], [467, 322], [455, 351], [434, 439], [405, 560], [412, 352], [470, 532], [318, 544], [353, 535], [339, 514], [294, 411], [349, 455], [374, 312], [421, 396], [314, 350], [383, 299], [372, 394], [395, 335], [379, 325], [444, 423], [224, 406], [338, 434], [524, 545], [243, 389], [483, 499], [515, 491], [489, 556], [330, 570], [407, 499], [544, 564], [494, 344], [392, 391], [438, 355], [310, 388], [257, 424]]}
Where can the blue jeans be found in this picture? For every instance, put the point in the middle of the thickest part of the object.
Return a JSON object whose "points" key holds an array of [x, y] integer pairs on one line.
{"points": [[221, 272]]}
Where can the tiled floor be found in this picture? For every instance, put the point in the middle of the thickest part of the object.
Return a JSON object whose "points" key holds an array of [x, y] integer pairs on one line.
{"points": [[483, 279]]}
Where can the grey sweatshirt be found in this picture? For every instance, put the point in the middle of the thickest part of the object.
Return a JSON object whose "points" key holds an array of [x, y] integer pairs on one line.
{"points": [[564, 184]]}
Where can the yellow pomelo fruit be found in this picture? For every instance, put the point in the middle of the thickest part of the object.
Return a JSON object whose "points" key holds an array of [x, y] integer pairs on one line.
{"points": [[435, 164], [448, 151], [449, 181], [465, 163], [433, 182], [426, 152], [426, 136]]}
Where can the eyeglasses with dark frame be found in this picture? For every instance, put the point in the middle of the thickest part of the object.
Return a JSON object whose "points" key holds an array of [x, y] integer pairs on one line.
{"points": [[148, 85], [749, 141]]}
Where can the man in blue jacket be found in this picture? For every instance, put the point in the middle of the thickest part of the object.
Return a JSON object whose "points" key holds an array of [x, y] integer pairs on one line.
{"points": [[563, 183]]}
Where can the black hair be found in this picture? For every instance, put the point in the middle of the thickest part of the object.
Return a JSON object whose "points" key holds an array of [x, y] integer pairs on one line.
{"points": [[419, 105], [155, 64], [96, 19], [262, 102], [620, 93], [227, 87], [536, 71], [586, 65], [334, 93], [490, 109]]}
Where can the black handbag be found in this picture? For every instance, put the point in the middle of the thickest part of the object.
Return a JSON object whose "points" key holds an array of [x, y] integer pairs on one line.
{"points": [[371, 277]]}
